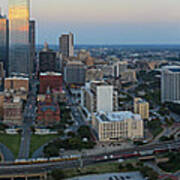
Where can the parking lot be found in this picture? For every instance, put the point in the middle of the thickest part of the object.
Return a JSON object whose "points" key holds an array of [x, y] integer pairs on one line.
{"points": [[112, 176]]}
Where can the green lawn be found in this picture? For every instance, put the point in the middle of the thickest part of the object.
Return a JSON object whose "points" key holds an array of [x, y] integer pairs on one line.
{"points": [[155, 127], [38, 140], [12, 142]]}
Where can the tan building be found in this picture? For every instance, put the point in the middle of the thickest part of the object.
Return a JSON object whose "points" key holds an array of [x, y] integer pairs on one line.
{"points": [[13, 114], [114, 126], [94, 75], [2, 96], [129, 76], [17, 83], [141, 107]]}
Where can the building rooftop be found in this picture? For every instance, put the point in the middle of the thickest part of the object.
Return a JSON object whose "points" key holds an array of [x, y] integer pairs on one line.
{"points": [[172, 68], [17, 78], [117, 116], [50, 74]]}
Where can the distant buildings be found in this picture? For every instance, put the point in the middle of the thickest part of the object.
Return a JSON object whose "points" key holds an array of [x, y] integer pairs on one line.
{"points": [[66, 42], [98, 96], [119, 68], [47, 60], [128, 76], [94, 75], [50, 80], [13, 111], [74, 73], [113, 126], [19, 45], [170, 84], [4, 41], [141, 107], [48, 112]]}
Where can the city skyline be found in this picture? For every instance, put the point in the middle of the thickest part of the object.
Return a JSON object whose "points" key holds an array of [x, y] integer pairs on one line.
{"points": [[116, 22]]}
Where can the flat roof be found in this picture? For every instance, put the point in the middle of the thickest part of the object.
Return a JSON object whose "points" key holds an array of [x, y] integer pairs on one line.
{"points": [[117, 116], [172, 68], [50, 74], [16, 78]]}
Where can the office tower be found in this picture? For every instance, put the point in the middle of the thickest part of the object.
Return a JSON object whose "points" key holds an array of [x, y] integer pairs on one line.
{"points": [[47, 60], [67, 45], [141, 107], [4, 35], [98, 96], [19, 46], [74, 73], [170, 84], [32, 42]]}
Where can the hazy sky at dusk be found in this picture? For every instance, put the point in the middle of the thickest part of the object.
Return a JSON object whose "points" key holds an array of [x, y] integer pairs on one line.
{"points": [[107, 21]]}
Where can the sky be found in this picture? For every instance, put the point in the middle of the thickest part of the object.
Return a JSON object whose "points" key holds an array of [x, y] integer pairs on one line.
{"points": [[106, 21]]}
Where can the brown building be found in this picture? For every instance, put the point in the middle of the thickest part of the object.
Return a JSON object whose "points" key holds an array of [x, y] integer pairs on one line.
{"points": [[94, 75], [12, 109], [48, 112], [17, 83]]}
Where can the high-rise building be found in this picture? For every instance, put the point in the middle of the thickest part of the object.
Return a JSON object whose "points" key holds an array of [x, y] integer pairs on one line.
{"points": [[75, 73], [170, 84], [4, 35], [98, 96], [141, 107], [19, 46], [32, 40], [66, 42], [47, 60]]}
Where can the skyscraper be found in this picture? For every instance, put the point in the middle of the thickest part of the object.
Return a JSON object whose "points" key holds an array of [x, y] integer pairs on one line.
{"points": [[4, 41], [67, 45], [19, 45], [32, 45], [170, 84]]}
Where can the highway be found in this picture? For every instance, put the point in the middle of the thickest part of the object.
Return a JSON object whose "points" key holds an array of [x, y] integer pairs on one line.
{"points": [[87, 160]]}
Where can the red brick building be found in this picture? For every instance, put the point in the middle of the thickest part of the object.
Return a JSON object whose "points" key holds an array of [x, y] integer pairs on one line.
{"points": [[48, 112], [50, 80]]}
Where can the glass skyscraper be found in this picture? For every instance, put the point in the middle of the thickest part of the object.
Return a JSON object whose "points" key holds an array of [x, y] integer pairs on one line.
{"points": [[19, 45], [4, 41]]}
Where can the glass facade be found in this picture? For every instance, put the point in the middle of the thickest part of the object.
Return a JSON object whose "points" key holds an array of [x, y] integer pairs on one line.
{"points": [[4, 41], [19, 45]]}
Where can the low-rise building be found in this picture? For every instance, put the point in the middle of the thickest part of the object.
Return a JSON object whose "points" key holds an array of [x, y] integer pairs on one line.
{"points": [[141, 107], [113, 126], [48, 111], [13, 111], [17, 83]]}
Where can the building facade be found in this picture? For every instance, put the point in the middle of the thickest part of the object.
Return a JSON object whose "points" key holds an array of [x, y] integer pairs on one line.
{"points": [[113, 126], [4, 41], [170, 84], [141, 107], [98, 96], [74, 73], [16, 84], [48, 112], [32, 41], [47, 60], [13, 111], [50, 80], [66, 42], [19, 46]]}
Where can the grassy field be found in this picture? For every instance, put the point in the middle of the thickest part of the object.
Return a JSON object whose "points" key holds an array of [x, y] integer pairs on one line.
{"points": [[12, 142], [38, 140]]}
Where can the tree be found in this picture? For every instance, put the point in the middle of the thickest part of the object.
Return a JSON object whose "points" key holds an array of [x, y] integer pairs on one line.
{"points": [[57, 174]]}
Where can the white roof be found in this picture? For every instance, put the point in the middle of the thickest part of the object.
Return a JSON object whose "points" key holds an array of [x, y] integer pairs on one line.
{"points": [[117, 116], [17, 78], [50, 74]]}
